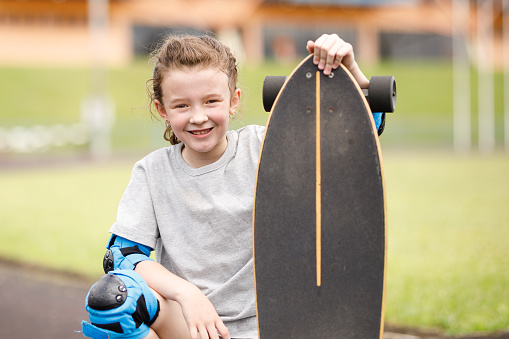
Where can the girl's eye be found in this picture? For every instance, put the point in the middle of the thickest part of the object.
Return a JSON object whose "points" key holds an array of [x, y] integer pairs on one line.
{"points": [[181, 106]]}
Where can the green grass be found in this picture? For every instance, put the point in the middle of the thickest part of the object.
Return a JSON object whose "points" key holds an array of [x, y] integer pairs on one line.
{"points": [[448, 253], [59, 217]]}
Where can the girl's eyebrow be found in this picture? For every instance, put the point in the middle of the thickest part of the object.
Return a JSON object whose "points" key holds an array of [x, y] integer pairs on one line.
{"points": [[174, 100], [205, 97], [214, 95]]}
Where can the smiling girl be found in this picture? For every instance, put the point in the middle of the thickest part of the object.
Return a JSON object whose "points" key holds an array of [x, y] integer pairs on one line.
{"points": [[192, 204]]}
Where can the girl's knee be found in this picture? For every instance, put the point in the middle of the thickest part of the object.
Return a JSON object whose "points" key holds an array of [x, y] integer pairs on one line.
{"points": [[170, 324], [152, 335], [119, 304]]}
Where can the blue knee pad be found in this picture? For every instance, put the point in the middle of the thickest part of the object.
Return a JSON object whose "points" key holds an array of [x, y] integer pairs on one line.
{"points": [[120, 305]]}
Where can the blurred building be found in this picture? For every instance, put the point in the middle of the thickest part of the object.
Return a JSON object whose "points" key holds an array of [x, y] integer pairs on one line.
{"points": [[57, 31]]}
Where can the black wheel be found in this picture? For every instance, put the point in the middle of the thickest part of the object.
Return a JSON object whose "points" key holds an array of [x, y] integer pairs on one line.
{"points": [[271, 87], [382, 94]]}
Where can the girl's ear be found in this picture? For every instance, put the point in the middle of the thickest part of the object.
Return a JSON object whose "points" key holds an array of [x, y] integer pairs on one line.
{"points": [[235, 100], [160, 109]]}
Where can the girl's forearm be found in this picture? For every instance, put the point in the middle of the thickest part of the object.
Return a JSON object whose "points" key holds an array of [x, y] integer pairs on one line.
{"points": [[163, 281]]}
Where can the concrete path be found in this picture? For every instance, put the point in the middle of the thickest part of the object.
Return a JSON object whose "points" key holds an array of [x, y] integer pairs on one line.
{"points": [[40, 304]]}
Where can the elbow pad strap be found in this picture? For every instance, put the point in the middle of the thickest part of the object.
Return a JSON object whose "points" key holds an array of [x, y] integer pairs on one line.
{"points": [[123, 254]]}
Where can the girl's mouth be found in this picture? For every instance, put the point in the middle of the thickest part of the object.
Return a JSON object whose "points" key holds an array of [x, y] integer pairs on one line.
{"points": [[201, 132]]}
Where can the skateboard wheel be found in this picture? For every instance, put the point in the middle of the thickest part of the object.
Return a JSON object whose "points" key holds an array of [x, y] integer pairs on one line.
{"points": [[382, 94], [271, 87]]}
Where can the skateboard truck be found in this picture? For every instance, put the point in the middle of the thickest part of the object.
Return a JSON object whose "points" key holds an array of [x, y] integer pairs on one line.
{"points": [[381, 94]]}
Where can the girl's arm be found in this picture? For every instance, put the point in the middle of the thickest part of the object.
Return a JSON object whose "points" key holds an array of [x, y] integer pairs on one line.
{"points": [[330, 50], [198, 311]]}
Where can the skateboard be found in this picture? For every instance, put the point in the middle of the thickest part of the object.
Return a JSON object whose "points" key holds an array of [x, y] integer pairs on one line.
{"points": [[319, 218]]}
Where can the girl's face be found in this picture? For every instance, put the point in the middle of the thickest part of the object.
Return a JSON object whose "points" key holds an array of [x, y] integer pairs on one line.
{"points": [[197, 104]]}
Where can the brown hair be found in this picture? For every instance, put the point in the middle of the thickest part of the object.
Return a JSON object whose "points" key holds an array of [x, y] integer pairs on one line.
{"points": [[184, 52]]}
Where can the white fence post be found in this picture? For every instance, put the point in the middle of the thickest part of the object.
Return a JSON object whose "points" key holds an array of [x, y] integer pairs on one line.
{"points": [[486, 91], [462, 129], [505, 13]]}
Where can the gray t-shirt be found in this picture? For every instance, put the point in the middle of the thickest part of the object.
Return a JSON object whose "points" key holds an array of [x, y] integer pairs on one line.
{"points": [[200, 222]]}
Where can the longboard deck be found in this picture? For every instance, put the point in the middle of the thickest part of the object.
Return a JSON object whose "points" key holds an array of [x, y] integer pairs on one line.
{"points": [[319, 234]]}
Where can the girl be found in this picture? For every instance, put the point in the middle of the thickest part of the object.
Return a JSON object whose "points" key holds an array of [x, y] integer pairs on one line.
{"points": [[192, 203]]}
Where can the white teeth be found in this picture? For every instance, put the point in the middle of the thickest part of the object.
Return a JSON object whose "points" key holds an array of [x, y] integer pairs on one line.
{"points": [[201, 132]]}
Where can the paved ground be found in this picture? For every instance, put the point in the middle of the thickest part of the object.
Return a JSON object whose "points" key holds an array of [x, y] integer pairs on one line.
{"points": [[38, 303]]}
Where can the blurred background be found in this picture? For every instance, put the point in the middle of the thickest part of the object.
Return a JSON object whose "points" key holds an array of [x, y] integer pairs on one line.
{"points": [[74, 118]]}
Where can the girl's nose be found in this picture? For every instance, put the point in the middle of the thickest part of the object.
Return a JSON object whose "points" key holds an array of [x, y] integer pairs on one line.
{"points": [[198, 117]]}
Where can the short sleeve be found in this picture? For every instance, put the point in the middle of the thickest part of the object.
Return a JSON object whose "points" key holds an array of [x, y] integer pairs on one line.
{"points": [[136, 218]]}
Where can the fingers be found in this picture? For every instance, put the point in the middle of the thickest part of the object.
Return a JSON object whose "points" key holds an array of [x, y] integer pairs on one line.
{"points": [[201, 317], [209, 331], [204, 334], [329, 51], [223, 330], [193, 333], [201, 332], [310, 46]]}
